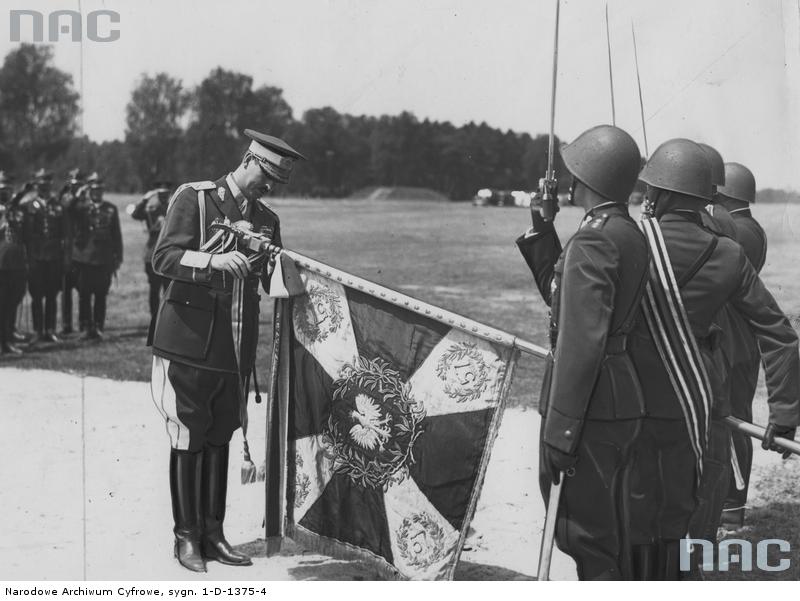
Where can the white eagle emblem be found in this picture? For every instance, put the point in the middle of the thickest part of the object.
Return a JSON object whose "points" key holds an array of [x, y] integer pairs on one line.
{"points": [[370, 430]]}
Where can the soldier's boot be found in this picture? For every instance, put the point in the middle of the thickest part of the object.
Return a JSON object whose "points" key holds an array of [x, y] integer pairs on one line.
{"points": [[100, 314], [66, 311], [37, 314], [669, 560], [185, 481], [50, 308], [644, 562], [215, 487]]}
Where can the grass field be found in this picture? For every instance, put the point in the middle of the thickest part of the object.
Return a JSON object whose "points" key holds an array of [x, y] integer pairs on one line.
{"points": [[460, 257]]}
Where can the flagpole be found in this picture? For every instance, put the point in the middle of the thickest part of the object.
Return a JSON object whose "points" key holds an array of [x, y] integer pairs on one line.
{"points": [[465, 324], [639, 85], [610, 72]]}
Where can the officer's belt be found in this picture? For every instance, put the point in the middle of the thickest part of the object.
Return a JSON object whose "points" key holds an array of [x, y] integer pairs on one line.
{"points": [[616, 344]]}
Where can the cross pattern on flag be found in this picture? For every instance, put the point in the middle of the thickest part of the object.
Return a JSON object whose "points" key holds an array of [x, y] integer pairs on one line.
{"points": [[391, 416]]}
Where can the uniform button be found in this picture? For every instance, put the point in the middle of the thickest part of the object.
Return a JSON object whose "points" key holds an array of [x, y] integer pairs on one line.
{"points": [[567, 433]]}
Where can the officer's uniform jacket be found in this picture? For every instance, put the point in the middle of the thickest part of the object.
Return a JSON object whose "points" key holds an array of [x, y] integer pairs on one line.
{"points": [[712, 270], [152, 212], [193, 324], [594, 290], [96, 235], [12, 243], [45, 228]]}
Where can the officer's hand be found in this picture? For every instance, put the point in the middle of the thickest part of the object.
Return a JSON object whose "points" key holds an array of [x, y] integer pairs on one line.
{"points": [[537, 221], [235, 263], [556, 461], [773, 431]]}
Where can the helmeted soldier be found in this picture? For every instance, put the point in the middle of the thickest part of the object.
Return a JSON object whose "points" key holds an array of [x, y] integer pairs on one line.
{"points": [[97, 252], [736, 195], [591, 400], [198, 366], [45, 235], [715, 208], [709, 270], [151, 210], [71, 195], [13, 263]]}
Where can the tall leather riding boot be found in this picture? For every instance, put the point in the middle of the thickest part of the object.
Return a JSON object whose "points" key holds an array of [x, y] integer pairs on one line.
{"points": [[644, 562], [185, 480], [669, 567], [37, 312], [215, 489]]}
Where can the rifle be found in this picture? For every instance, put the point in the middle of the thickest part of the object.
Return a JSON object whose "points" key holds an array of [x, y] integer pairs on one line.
{"points": [[548, 185]]}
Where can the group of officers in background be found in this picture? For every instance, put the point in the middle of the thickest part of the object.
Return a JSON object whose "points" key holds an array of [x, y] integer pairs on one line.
{"points": [[52, 244]]}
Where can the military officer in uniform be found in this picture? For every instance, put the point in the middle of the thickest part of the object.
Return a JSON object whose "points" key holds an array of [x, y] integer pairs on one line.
{"points": [[71, 195], [710, 270], [151, 210], [45, 235], [97, 253], [591, 400], [736, 195], [197, 369], [13, 264]]}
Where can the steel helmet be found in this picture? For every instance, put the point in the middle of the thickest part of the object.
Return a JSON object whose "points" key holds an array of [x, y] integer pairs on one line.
{"points": [[606, 159], [681, 166], [740, 183], [717, 164]]}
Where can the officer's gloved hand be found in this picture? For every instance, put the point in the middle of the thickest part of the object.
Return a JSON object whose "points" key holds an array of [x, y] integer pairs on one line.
{"points": [[773, 431], [555, 462]]}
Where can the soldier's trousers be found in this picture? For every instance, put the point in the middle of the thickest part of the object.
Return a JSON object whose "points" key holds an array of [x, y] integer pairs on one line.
{"points": [[713, 484], [94, 282], [71, 280], [592, 522], [157, 284], [744, 381], [44, 284], [12, 291], [662, 482], [199, 406]]}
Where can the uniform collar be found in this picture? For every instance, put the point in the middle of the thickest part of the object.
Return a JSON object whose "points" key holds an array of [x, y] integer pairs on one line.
{"points": [[607, 207], [742, 212], [682, 215]]}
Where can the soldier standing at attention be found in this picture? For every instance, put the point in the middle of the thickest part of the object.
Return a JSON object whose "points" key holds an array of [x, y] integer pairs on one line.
{"points": [[151, 210], [13, 264], [736, 195], [198, 366], [97, 251], [71, 195], [709, 271], [45, 235], [591, 400]]}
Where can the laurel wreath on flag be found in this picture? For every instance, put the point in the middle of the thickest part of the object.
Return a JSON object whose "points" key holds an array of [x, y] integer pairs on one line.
{"points": [[306, 317], [454, 389], [420, 540], [302, 483], [382, 467]]}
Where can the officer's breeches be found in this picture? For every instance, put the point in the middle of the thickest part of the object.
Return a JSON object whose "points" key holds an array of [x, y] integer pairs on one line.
{"points": [[94, 281], [591, 525], [663, 482], [12, 291], [198, 406]]}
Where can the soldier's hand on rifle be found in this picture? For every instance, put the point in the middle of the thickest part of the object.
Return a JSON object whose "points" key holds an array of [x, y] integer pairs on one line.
{"points": [[776, 431], [555, 462], [234, 262]]}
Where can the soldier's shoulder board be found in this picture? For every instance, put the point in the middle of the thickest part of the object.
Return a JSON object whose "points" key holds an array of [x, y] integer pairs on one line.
{"points": [[205, 185], [598, 222]]}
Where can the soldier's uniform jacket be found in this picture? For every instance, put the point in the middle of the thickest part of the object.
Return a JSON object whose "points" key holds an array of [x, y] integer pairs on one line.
{"points": [[712, 270], [96, 234], [595, 290], [151, 211], [12, 243], [45, 228], [193, 325]]}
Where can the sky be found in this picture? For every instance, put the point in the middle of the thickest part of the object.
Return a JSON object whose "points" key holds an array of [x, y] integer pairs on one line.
{"points": [[724, 72]]}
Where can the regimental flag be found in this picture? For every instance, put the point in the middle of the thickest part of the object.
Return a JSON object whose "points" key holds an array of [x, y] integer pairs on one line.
{"points": [[388, 417]]}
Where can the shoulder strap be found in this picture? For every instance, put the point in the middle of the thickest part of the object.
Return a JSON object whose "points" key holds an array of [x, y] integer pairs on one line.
{"points": [[701, 260]]}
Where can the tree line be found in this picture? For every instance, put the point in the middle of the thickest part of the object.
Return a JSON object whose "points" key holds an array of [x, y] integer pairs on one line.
{"points": [[184, 133]]}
